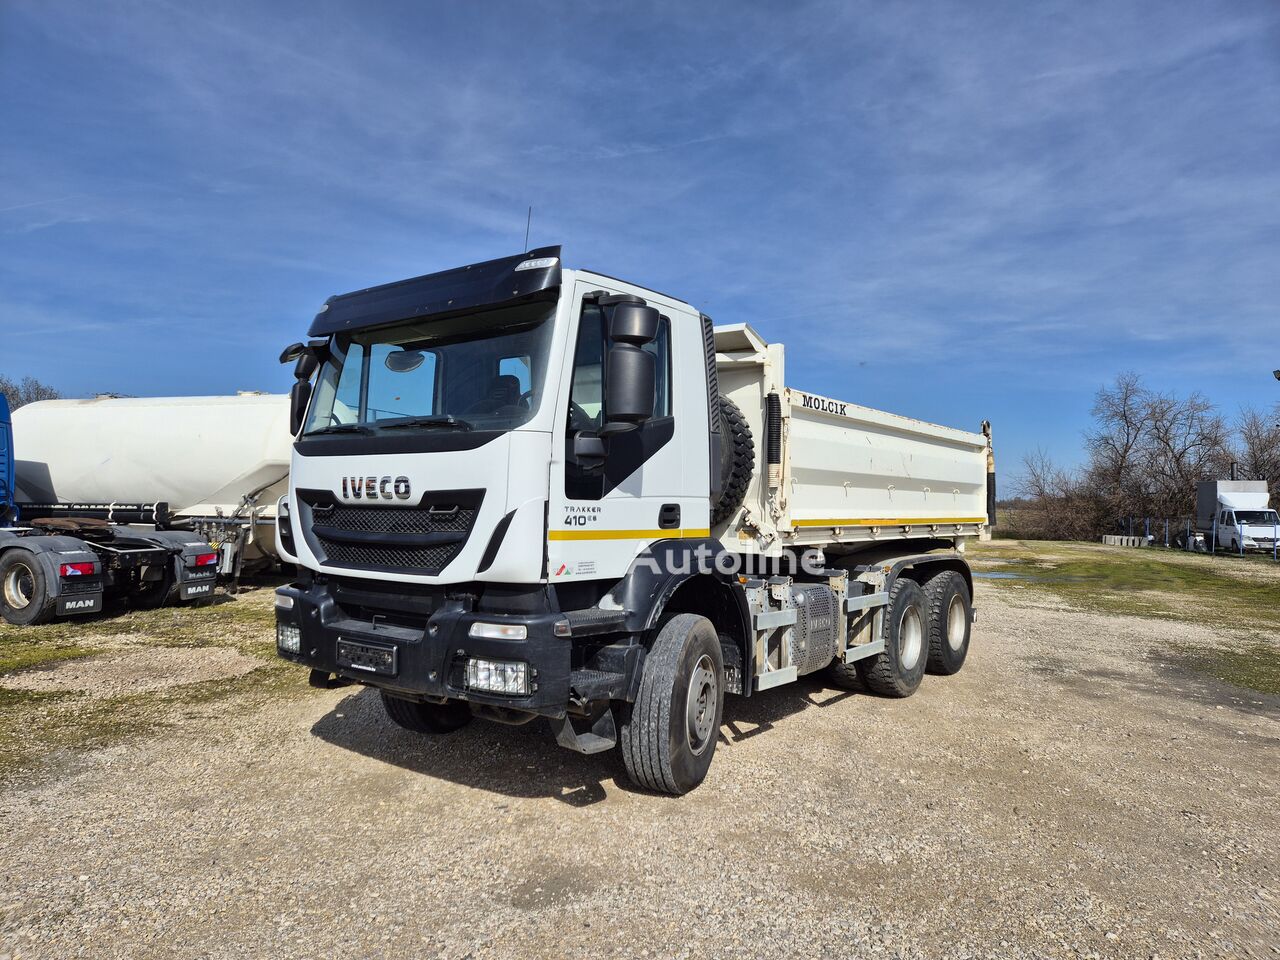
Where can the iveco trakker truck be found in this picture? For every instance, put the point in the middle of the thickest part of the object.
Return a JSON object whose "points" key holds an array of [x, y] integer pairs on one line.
{"points": [[522, 491]]}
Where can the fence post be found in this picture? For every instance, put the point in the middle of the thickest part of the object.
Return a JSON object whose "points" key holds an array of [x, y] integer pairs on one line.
{"points": [[1275, 528], [1240, 536], [1190, 541], [1213, 544], [1166, 533]]}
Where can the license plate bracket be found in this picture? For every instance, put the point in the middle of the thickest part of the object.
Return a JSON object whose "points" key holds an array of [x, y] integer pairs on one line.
{"points": [[367, 657]]}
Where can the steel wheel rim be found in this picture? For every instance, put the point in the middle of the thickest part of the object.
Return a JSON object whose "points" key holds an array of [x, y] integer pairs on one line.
{"points": [[910, 638], [955, 623], [700, 706], [19, 587]]}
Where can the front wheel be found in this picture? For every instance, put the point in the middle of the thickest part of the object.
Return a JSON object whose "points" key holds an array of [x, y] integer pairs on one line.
{"points": [[24, 590], [668, 736], [426, 717]]}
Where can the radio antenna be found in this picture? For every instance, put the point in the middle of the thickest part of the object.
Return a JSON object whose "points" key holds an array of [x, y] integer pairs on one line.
{"points": [[527, 224]]}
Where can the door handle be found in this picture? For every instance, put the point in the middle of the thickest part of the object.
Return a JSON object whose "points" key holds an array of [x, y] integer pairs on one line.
{"points": [[669, 516]]}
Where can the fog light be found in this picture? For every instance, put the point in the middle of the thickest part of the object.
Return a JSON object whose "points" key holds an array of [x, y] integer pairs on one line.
{"points": [[499, 631], [498, 676], [284, 601], [288, 637]]}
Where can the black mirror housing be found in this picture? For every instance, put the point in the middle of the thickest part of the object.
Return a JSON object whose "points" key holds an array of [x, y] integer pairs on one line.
{"points": [[292, 352], [307, 364], [589, 450], [630, 384], [634, 323], [299, 397]]}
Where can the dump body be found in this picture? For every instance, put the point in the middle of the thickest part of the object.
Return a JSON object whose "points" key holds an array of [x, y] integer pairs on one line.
{"points": [[846, 474], [207, 458]]}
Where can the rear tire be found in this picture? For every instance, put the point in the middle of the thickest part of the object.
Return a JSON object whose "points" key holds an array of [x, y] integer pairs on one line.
{"points": [[950, 620], [24, 590], [668, 736], [426, 717], [898, 671]]}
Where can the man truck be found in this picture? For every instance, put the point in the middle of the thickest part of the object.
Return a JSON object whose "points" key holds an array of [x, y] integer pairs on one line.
{"points": [[520, 490], [69, 565]]}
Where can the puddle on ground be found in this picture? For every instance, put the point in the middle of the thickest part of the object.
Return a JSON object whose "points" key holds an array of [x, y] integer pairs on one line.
{"points": [[1026, 577]]}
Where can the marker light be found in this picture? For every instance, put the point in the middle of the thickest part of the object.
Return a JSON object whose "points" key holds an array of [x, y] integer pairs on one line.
{"points": [[499, 631], [76, 570], [284, 601], [538, 263]]}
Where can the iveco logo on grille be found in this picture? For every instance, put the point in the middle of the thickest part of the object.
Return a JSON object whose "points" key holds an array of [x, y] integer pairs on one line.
{"points": [[375, 488]]}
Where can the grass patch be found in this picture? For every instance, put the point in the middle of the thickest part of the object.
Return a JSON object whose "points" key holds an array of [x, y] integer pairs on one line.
{"points": [[43, 729], [1216, 592], [1254, 666]]}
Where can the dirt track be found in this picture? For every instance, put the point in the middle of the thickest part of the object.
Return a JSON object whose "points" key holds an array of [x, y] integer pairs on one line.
{"points": [[1071, 792]]}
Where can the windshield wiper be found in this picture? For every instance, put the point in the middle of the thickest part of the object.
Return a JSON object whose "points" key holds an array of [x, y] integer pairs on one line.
{"points": [[445, 420], [339, 428]]}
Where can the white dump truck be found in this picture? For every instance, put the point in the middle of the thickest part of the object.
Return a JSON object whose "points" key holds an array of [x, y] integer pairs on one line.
{"points": [[212, 466], [521, 491], [1236, 515]]}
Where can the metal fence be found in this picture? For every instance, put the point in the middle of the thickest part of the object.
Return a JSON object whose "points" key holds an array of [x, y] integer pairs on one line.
{"points": [[1181, 534]]}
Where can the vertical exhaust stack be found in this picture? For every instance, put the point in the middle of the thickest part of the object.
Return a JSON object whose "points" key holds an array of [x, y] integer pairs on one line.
{"points": [[773, 439]]}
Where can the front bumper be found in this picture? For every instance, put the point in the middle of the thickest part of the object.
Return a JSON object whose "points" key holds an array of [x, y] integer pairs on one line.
{"points": [[430, 661]]}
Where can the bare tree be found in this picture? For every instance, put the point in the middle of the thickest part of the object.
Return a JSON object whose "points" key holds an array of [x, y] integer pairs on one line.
{"points": [[28, 390], [1059, 503], [1259, 451]]}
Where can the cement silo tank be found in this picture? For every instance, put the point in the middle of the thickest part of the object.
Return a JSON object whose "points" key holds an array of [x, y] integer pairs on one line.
{"points": [[220, 463]]}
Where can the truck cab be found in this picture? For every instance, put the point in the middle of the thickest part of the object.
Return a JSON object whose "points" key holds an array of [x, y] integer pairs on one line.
{"points": [[516, 492]]}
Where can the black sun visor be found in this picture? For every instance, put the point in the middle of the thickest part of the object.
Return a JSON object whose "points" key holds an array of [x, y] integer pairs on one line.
{"points": [[525, 277]]}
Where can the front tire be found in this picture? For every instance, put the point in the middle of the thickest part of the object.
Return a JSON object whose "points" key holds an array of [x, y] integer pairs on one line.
{"points": [[434, 718], [24, 590], [950, 619], [898, 671], [669, 734]]}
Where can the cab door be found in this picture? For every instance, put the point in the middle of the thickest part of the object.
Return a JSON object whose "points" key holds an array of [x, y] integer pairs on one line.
{"points": [[654, 482]]}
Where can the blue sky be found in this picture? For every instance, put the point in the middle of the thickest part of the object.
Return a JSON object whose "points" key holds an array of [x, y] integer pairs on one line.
{"points": [[953, 211]]}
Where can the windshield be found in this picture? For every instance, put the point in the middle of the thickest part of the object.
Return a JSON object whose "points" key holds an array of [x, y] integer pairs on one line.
{"points": [[481, 371], [1256, 516]]}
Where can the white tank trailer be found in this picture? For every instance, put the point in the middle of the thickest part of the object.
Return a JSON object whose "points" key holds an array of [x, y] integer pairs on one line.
{"points": [[213, 465]]}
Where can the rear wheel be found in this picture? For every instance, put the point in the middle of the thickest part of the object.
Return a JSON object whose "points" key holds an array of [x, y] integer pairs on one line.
{"points": [[950, 620], [24, 590], [669, 734], [426, 717], [898, 671]]}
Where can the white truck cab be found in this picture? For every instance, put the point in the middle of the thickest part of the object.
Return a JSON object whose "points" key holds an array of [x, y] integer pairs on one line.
{"points": [[520, 490]]}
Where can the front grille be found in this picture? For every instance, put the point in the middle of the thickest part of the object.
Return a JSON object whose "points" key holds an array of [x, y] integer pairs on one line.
{"points": [[443, 518]]}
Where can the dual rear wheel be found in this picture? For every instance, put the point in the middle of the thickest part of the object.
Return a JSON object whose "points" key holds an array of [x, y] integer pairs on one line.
{"points": [[926, 628]]}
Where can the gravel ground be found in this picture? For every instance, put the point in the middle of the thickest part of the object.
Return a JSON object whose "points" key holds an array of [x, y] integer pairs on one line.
{"points": [[135, 671], [1072, 792]]}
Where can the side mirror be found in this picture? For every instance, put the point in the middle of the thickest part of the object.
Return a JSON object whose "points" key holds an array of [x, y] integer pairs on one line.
{"points": [[292, 352], [299, 397], [306, 365], [630, 387], [589, 450], [634, 323]]}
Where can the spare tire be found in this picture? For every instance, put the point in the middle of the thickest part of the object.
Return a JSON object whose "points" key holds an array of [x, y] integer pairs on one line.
{"points": [[737, 460]]}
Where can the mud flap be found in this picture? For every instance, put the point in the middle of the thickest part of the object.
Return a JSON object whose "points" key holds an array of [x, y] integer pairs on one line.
{"points": [[76, 604]]}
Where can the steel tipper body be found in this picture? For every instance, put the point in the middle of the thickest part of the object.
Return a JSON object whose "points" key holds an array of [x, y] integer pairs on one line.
{"points": [[68, 566], [519, 490]]}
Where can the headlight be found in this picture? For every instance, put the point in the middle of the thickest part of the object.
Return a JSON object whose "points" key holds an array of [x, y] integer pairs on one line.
{"points": [[498, 676], [288, 637]]}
